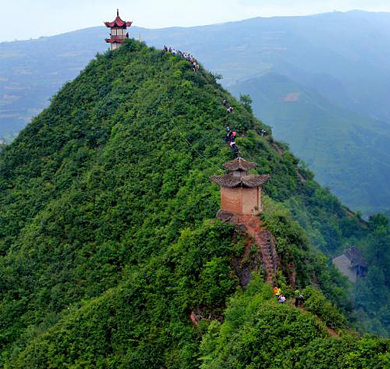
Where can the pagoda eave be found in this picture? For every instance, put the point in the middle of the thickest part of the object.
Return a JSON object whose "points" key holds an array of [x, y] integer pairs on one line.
{"points": [[239, 164], [118, 23], [231, 181]]}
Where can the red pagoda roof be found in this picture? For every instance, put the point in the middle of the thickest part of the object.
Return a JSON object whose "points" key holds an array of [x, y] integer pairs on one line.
{"points": [[118, 22]]}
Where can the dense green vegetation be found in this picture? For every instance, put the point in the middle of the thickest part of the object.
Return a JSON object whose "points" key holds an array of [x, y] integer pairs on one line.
{"points": [[108, 236], [259, 332], [338, 122], [330, 138]]}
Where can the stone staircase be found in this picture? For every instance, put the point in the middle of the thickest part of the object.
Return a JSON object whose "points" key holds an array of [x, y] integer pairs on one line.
{"points": [[263, 238], [267, 245]]}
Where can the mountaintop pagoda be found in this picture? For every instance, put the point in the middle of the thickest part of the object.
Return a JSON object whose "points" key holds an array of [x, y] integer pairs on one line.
{"points": [[240, 191], [118, 31]]}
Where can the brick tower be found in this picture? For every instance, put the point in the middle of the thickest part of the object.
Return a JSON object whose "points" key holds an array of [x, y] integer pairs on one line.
{"points": [[240, 191]]}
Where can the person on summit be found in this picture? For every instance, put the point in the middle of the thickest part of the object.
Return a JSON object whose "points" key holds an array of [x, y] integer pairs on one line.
{"points": [[195, 66]]}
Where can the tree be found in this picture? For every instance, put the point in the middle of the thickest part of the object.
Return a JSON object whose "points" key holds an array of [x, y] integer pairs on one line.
{"points": [[247, 102]]}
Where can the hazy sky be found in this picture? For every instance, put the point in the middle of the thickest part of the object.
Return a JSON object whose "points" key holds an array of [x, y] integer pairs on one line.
{"points": [[24, 19]]}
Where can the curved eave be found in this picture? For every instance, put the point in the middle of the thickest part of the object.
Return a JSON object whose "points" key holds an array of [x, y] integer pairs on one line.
{"points": [[118, 23], [231, 181], [239, 164]]}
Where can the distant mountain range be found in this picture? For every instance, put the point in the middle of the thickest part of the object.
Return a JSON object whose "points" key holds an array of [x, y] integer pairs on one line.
{"points": [[347, 150], [322, 82]]}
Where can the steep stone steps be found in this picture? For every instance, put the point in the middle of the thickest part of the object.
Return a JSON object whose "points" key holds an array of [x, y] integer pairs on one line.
{"points": [[265, 242]]}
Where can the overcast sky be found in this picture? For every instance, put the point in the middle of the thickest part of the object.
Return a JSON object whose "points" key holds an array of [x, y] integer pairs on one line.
{"points": [[24, 19]]}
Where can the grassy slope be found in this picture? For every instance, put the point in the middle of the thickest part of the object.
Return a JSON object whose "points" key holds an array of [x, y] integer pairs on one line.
{"points": [[106, 235]]}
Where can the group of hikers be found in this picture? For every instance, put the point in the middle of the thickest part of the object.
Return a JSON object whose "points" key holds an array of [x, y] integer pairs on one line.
{"points": [[230, 133], [185, 55], [282, 299], [229, 139]]}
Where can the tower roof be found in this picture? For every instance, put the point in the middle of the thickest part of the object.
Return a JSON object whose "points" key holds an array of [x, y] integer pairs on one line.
{"points": [[355, 256], [242, 179], [118, 22], [239, 164], [230, 180]]}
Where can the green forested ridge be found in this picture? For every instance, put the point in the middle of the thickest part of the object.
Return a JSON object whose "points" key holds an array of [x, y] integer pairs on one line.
{"points": [[338, 109], [108, 239], [258, 332], [330, 138]]}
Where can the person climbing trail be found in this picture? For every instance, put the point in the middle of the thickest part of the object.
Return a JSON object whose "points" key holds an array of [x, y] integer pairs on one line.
{"points": [[229, 109], [298, 297], [228, 137], [277, 291], [228, 134], [297, 293], [224, 102], [281, 299], [234, 148]]}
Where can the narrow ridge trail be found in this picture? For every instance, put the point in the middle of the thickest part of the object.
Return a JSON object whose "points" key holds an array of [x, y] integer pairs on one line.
{"points": [[265, 243], [331, 331]]}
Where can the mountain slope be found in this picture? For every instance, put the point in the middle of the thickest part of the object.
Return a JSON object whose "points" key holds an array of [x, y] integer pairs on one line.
{"points": [[345, 149], [350, 72], [107, 232]]}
